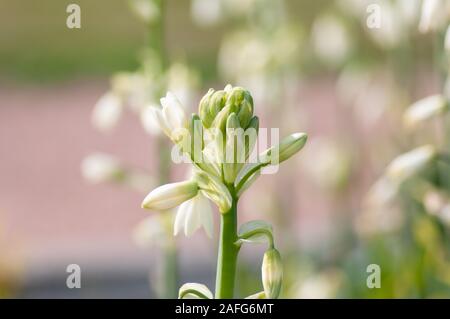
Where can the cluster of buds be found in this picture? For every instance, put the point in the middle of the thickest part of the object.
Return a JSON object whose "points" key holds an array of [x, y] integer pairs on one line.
{"points": [[218, 142]]}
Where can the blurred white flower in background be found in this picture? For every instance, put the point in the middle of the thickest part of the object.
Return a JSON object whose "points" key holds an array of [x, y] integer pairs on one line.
{"points": [[323, 285], [410, 163], [330, 39], [206, 12], [447, 40], [147, 10], [101, 167], [437, 203], [150, 231], [369, 93], [434, 14], [425, 109], [135, 88], [262, 59], [107, 112], [182, 82], [328, 163], [380, 212]]}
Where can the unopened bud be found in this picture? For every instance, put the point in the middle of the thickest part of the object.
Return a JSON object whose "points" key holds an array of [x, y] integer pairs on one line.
{"points": [[170, 195], [216, 107], [272, 273], [288, 147]]}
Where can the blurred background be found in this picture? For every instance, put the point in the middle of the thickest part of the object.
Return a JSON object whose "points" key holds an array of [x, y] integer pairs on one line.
{"points": [[367, 80]]}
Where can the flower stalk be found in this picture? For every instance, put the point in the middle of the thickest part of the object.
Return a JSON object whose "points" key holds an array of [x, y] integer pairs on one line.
{"points": [[217, 134], [227, 252]]}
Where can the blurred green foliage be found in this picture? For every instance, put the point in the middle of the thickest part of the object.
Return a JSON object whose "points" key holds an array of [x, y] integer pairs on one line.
{"points": [[37, 45]]}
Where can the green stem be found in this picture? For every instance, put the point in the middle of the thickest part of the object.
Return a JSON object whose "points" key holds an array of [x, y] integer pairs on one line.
{"points": [[169, 275], [228, 252], [170, 272], [156, 39]]}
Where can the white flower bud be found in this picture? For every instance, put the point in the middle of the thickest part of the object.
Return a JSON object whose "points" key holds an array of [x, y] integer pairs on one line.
{"points": [[170, 195], [272, 273]]}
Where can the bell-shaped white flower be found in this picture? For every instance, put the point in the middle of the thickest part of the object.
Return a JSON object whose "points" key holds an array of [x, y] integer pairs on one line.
{"points": [[170, 118], [192, 215]]}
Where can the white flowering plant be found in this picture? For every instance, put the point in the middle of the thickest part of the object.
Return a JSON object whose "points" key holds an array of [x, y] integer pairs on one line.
{"points": [[219, 143]]}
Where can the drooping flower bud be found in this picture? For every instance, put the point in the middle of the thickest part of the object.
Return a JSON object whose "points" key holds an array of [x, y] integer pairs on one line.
{"points": [[272, 273], [170, 195]]}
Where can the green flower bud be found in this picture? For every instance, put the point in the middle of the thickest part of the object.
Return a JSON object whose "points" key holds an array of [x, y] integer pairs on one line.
{"points": [[211, 104], [272, 273], [252, 135], [216, 107], [241, 102], [288, 147], [234, 156]]}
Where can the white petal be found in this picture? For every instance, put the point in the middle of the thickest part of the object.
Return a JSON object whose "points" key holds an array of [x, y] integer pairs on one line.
{"points": [[206, 212], [149, 121], [173, 111], [193, 218], [159, 118], [180, 217]]}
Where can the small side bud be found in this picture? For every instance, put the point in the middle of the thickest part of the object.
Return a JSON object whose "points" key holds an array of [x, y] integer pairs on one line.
{"points": [[288, 147], [272, 273]]}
